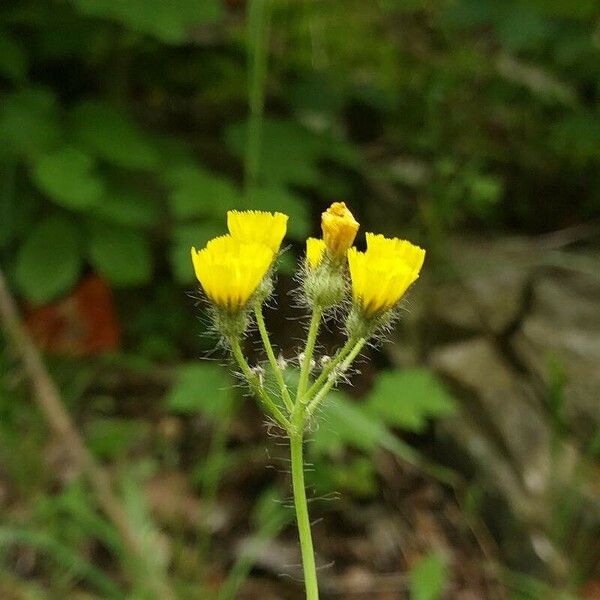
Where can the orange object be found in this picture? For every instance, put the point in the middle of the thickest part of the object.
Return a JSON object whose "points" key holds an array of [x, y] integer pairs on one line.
{"points": [[83, 323]]}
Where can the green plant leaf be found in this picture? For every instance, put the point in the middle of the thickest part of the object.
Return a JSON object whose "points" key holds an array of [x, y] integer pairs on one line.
{"points": [[407, 398], [113, 437], [122, 255], [128, 208], [49, 261], [428, 578], [13, 62], [168, 21], [290, 152], [109, 133], [29, 122], [345, 423], [203, 388], [196, 192], [67, 177]]}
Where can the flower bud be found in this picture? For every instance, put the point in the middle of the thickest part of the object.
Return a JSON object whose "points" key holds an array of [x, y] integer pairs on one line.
{"points": [[339, 230]]}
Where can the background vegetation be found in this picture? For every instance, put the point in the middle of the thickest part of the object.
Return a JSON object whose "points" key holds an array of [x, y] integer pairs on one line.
{"points": [[127, 129]]}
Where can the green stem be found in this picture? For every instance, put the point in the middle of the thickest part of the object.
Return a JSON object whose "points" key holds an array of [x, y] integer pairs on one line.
{"points": [[285, 394], [255, 384], [309, 349], [334, 362], [331, 381], [302, 517], [258, 35]]}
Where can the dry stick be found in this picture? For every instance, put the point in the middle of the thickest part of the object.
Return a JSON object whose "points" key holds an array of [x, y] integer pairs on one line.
{"points": [[48, 399]]}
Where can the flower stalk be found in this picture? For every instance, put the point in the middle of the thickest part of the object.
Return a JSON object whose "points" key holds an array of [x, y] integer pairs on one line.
{"points": [[235, 272]]}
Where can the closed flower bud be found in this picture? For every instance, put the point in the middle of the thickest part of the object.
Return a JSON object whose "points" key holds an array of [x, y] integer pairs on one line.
{"points": [[339, 229]]}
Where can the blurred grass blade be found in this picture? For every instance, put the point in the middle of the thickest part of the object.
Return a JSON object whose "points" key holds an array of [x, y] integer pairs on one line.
{"points": [[258, 35], [64, 556]]}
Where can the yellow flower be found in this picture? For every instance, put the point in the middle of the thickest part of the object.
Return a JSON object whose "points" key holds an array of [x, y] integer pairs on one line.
{"points": [[257, 226], [339, 229], [315, 249], [381, 275], [230, 271]]}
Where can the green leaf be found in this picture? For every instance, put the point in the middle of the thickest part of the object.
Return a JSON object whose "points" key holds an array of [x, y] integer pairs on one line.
{"points": [[168, 21], [290, 152], [109, 133], [13, 62], [128, 208], [67, 177], [345, 423], [195, 192], [428, 578], [49, 261], [408, 398], [201, 387], [357, 477], [17, 212], [122, 255], [29, 122], [183, 238], [114, 437]]}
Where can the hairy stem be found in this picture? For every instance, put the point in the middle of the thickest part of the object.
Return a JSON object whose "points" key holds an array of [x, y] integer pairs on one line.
{"points": [[256, 386], [285, 394], [327, 370], [302, 517], [322, 393], [309, 349]]}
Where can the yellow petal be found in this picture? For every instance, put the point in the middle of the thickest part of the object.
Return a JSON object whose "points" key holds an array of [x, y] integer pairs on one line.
{"points": [[381, 275], [315, 249], [255, 226], [230, 271]]}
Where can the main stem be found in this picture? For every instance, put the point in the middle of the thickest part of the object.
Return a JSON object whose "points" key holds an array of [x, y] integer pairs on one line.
{"points": [[299, 489]]}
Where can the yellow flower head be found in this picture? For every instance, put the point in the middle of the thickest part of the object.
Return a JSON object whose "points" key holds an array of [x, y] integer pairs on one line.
{"points": [[315, 249], [257, 226], [230, 271], [339, 229], [381, 275]]}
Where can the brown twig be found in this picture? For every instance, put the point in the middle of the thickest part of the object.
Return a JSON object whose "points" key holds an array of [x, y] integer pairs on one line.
{"points": [[49, 401]]}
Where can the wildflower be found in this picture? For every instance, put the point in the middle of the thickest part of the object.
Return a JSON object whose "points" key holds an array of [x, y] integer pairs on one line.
{"points": [[339, 229], [258, 226], [381, 275], [315, 249], [230, 271]]}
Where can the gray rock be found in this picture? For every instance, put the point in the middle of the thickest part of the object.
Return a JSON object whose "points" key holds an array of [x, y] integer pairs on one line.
{"points": [[559, 339], [506, 404], [486, 290]]}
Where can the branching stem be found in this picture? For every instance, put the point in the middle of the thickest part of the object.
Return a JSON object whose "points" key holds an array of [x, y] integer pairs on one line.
{"points": [[285, 394], [254, 382]]}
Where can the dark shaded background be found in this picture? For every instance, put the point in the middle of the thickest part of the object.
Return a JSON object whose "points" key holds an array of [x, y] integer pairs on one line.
{"points": [[472, 127]]}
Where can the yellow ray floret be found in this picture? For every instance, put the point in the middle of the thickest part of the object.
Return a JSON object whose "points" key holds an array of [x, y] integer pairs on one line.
{"points": [[381, 275], [230, 271], [315, 249], [411, 255], [258, 226], [339, 229]]}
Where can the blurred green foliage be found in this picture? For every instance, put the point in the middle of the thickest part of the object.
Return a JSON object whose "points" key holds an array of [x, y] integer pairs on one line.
{"points": [[122, 129], [123, 132]]}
